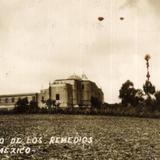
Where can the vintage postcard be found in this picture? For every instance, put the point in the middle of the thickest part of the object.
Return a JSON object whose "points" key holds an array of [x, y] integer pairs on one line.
{"points": [[79, 79]]}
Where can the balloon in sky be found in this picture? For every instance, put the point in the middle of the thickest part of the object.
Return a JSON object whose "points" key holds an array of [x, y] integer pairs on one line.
{"points": [[100, 18], [121, 18]]}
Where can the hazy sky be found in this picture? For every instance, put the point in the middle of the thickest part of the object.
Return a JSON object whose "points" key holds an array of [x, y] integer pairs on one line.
{"points": [[42, 40]]}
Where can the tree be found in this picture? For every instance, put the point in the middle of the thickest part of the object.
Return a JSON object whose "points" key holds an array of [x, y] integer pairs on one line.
{"points": [[157, 95], [127, 94], [95, 102], [148, 88], [21, 105], [138, 97], [150, 100], [50, 103], [33, 106]]}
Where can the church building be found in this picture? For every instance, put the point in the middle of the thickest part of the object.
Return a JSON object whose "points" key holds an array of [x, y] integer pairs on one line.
{"points": [[74, 91]]}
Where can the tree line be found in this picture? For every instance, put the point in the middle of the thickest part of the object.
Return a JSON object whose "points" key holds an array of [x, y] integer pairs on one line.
{"points": [[147, 98]]}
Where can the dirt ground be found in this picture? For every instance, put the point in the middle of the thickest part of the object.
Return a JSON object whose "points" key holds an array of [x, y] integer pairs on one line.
{"points": [[113, 138]]}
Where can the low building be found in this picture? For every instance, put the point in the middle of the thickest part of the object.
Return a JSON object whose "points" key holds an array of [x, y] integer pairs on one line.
{"points": [[74, 91], [9, 101]]}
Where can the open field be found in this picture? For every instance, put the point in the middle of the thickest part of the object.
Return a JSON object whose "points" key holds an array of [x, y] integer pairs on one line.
{"points": [[113, 137]]}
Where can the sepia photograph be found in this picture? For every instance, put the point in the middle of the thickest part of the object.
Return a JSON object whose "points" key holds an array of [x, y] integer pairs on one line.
{"points": [[79, 80]]}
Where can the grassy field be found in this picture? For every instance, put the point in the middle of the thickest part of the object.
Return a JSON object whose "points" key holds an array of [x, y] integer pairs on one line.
{"points": [[114, 138]]}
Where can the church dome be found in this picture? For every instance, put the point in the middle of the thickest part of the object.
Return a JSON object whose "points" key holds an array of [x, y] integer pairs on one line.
{"points": [[74, 76]]}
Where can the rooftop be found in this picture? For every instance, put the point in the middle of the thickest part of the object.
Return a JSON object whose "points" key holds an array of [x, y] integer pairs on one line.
{"points": [[74, 76]]}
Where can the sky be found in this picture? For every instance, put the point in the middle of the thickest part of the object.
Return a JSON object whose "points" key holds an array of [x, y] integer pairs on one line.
{"points": [[44, 40]]}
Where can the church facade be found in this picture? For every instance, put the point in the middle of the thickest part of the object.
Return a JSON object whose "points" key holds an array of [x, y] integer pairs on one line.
{"points": [[74, 91]]}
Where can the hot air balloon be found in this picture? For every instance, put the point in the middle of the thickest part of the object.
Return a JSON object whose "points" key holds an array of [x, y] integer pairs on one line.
{"points": [[100, 18], [121, 18]]}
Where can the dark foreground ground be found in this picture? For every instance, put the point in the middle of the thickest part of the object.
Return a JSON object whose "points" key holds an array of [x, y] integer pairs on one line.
{"points": [[114, 138]]}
